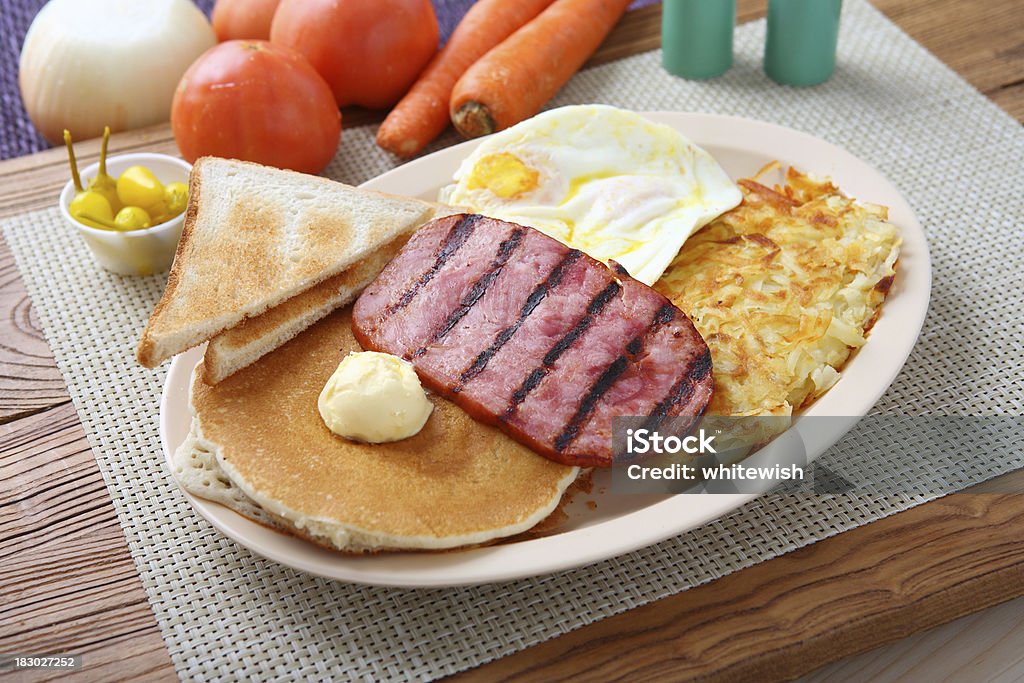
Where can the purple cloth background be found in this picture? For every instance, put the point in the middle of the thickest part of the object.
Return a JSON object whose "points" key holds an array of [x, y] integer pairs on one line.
{"points": [[17, 135]]}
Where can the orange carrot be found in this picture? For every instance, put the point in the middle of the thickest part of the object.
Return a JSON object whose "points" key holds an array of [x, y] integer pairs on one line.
{"points": [[514, 80], [423, 113]]}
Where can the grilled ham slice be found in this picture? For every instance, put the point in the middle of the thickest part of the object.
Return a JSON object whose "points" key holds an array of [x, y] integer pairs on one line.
{"points": [[534, 337]]}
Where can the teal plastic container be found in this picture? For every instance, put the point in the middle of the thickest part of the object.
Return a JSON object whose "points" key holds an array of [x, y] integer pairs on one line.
{"points": [[801, 45], [696, 37]]}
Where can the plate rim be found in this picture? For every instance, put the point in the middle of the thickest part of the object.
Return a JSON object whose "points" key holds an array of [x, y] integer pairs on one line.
{"points": [[540, 560]]}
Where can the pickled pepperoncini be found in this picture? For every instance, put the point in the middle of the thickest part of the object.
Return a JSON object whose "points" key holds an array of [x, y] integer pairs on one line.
{"points": [[135, 200], [137, 186], [103, 183], [85, 201]]}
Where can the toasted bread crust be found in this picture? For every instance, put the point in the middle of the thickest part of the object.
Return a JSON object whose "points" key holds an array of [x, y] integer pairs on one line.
{"points": [[239, 256], [146, 351], [257, 336]]}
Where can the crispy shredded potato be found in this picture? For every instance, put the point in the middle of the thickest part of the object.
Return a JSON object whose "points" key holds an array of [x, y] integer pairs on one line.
{"points": [[783, 288]]}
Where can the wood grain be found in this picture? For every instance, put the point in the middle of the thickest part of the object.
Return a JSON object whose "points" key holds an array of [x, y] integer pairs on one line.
{"points": [[986, 646], [70, 585], [785, 617], [29, 381], [982, 41]]}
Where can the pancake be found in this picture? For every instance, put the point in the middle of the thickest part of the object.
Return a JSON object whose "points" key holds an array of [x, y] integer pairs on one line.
{"points": [[456, 483]]}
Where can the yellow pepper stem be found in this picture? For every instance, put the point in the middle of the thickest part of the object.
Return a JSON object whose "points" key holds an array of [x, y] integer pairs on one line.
{"points": [[74, 164], [103, 150]]}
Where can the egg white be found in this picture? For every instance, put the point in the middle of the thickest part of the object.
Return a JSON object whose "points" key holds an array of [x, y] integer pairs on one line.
{"points": [[600, 179]]}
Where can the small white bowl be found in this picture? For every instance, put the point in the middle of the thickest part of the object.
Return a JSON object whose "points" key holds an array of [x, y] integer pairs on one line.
{"points": [[134, 252]]}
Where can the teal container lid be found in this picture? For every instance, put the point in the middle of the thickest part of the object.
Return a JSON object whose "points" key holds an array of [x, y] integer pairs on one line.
{"points": [[800, 48], [696, 37]]}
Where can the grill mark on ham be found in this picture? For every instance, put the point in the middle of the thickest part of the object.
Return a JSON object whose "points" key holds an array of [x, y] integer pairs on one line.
{"points": [[496, 310], [594, 308], [550, 407], [697, 372], [619, 269], [456, 237], [665, 315], [409, 328], [597, 390], [505, 251], [667, 354], [600, 344], [586, 407], [536, 296]]}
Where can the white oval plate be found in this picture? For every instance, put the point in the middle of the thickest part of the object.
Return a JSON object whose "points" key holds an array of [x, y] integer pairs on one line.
{"points": [[620, 523]]}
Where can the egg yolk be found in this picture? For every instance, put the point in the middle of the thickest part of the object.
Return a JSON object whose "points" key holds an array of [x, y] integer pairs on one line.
{"points": [[504, 174]]}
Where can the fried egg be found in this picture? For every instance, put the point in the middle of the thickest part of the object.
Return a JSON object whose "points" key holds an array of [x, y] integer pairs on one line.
{"points": [[600, 179]]}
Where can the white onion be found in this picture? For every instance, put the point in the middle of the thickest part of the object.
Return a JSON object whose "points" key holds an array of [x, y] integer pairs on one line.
{"points": [[86, 65]]}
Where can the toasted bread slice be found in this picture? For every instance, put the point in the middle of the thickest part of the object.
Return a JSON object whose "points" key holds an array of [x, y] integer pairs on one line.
{"points": [[255, 236], [253, 338]]}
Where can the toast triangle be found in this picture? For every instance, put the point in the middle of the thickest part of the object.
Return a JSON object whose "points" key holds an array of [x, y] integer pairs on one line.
{"points": [[255, 236], [253, 338]]}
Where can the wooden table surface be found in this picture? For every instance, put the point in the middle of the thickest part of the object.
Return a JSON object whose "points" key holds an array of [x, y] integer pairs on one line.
{"points": [[69, 584]]}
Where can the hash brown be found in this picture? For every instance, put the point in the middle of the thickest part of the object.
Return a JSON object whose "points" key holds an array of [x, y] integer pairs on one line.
{"points": [[783, 288]]}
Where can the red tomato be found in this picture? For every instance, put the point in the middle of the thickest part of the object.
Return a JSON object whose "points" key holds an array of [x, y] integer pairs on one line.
{"points": [[369, 51], [259, 102], [245, 19]]}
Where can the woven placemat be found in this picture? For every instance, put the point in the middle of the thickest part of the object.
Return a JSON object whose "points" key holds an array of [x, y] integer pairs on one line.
{"points": [[226, 613]]}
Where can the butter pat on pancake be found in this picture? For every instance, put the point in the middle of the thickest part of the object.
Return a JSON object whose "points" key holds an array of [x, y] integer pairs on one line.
{"points": [[455, 483], [374, 398], [783, 288]]}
